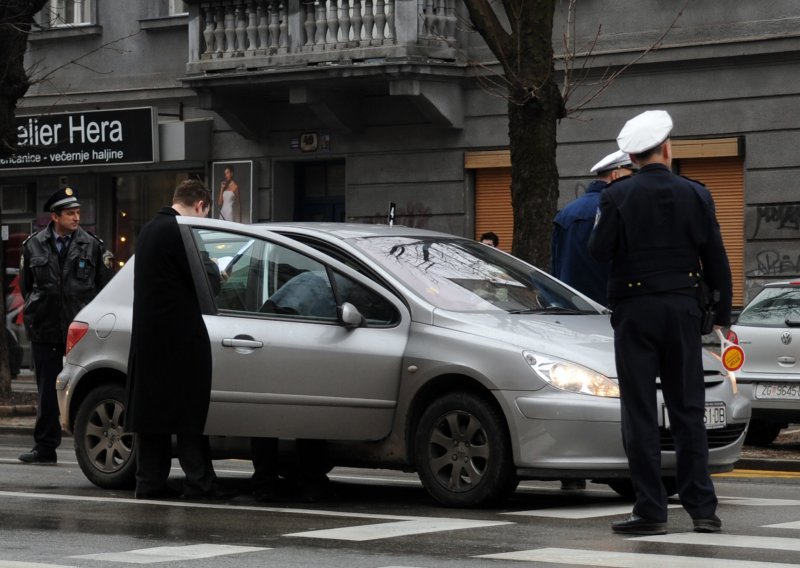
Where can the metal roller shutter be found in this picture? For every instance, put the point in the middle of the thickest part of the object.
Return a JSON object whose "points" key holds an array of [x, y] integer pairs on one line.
{"points": [[724, 177], [493, 205]]}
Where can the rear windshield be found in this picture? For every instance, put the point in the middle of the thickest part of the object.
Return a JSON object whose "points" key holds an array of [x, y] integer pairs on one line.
{"points": [[773, 306]]}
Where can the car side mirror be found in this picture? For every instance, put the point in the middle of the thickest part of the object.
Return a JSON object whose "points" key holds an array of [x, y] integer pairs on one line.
{"points": [[349, 316]]}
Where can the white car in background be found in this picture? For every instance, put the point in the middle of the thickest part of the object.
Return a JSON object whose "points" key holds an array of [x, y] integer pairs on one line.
{"points": [[768, 330]]}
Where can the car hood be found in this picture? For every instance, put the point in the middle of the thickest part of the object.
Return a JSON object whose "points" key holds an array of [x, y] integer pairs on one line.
{"points": [[587, 340]]}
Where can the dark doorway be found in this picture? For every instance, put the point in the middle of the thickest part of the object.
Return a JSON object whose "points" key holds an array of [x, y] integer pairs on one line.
{"points": [[319, 189]]}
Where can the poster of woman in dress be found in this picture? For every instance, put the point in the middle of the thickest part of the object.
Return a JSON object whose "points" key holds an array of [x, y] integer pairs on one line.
{"points": [[233, 185]]}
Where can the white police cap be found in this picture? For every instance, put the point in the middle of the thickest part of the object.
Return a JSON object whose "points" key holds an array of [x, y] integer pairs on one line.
{"points": [[618, 159], [644, 131]]}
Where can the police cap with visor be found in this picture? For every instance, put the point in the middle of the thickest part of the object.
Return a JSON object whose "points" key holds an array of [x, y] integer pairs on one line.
{"points": [[618, 159], [61, 199], [645, 131]]}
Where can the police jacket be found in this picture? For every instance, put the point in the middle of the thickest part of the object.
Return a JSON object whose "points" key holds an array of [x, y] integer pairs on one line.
{"points": [[661, 234], [571, 261], [56, 290]]}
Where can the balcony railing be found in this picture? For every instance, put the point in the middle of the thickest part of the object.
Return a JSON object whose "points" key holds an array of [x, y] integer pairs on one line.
{"points": [[235, 34]]}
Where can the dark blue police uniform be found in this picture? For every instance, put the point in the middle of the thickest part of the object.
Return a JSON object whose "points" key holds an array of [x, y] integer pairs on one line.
{"points": [[660, 232], [570, 258]]}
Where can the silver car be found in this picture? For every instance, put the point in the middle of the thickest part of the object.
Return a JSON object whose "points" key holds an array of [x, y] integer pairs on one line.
{"points": [[404, 348], [768, 330]]}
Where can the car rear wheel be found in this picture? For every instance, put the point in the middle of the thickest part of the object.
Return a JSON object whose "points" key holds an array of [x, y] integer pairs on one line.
{"points": [[105, 451], [463, 453], [762, 433]]}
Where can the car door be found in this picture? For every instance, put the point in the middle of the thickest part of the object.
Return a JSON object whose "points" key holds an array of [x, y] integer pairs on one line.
{"points": [[283, 364]]}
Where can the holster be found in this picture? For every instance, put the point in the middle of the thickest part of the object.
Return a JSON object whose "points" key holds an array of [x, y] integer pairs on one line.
{"points": [[708, 300]]}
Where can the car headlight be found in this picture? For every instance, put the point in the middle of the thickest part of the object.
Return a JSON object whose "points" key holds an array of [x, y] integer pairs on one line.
{"points": [[571, 377]]}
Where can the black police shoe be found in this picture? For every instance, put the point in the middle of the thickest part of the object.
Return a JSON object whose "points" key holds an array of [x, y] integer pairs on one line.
{"points": [[710, 524], [634, 524], [35, 457]]}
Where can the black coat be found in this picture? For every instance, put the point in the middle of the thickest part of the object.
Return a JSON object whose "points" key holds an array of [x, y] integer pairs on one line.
{"points": [[169, 366], [55, 291], [660, 231]]}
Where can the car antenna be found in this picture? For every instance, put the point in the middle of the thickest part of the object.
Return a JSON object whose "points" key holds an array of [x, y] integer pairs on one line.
{"points": [[391, 214]]}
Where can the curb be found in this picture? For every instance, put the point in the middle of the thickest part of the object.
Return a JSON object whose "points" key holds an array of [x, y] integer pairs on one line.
{"points": [[18, 410], [768, 464]]}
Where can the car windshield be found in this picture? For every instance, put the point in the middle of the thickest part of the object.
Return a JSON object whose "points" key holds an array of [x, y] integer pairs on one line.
{"points": [[463, 275], [773, 306]]}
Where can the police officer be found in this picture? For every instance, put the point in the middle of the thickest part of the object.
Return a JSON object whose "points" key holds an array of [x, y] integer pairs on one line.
{"points": [[570, 258], [61, 271], [661, 234]]}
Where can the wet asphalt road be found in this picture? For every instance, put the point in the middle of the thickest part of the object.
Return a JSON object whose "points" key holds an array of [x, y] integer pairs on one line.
{"points": [[52, 516]]}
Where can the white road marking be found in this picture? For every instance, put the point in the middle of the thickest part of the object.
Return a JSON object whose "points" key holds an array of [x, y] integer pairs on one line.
{"points": [[171, 553], [727, 540], [627, 559], [580, 511], [20, 564], [392, 530], [756, 502], [792, 525]]}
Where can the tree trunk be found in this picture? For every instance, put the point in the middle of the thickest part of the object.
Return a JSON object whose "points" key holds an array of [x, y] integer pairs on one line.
{"points": [[16, 18], [534, 175]]}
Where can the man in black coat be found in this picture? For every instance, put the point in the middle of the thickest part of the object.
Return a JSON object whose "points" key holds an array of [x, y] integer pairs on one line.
{"points": [[661, 234], [61, 270], [169, 366]]}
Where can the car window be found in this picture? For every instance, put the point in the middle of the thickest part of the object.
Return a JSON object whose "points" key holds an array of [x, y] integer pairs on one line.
{"points": [[463, 275], [377, 311], [772, 306], [261, 277]]}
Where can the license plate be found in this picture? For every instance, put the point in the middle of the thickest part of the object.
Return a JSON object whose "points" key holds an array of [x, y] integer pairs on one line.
{"points": [[777, 391], [714, 418]]}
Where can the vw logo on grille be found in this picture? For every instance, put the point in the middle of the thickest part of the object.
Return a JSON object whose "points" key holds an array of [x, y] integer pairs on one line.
{"points": [[786, 338]]}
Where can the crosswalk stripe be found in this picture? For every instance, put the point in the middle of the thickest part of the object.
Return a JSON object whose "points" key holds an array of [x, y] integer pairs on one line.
{"points": [[579, 511], [627, 559], [20, 564], [756, 502], [392, 530], [727, 540], [791, 525], [171, 553]]}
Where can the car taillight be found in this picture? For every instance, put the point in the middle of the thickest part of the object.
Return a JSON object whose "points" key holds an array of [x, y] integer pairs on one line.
{"points": [[732, 337], [75, 333]]}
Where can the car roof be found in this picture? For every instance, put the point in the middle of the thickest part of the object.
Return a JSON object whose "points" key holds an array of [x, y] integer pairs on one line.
{"points": [[353, 230]]}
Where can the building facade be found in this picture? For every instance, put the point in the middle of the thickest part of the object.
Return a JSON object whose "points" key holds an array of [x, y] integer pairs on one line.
{"points": [[333, 109]]}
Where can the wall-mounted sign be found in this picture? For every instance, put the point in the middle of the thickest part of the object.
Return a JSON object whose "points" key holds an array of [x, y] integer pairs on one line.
{"points": [[87, 138]]}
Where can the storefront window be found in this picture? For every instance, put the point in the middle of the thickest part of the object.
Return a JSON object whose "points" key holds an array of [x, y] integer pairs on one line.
{"points": [[137, 198]]}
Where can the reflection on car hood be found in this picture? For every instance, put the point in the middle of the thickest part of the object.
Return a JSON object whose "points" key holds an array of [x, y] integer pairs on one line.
{"points": [[587, 340], [584, 339]]}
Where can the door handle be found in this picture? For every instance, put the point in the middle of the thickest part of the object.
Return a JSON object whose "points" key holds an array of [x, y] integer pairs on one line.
{"points": [[242, 342], [786, 360]]}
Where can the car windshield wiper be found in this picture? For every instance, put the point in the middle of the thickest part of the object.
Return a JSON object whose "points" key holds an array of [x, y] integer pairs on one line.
{"points": [[549, 310], [792, 322]]}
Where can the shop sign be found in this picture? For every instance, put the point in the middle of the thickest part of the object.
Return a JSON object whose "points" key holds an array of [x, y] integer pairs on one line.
{"points": [[87, 138]]}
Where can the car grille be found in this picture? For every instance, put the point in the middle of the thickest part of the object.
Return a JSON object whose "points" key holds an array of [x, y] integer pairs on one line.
{"points": [[717, 438]]}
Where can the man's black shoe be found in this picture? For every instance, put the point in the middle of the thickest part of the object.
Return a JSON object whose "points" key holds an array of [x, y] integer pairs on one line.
{"points": [[216, 493], [711, 524], [635, 524], [165, 492], [36, 457]]}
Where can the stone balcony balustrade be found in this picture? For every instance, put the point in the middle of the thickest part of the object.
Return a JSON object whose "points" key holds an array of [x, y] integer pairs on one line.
{"points": [[227, 35]]}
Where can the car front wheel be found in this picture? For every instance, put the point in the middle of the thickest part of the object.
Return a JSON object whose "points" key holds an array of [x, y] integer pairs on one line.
{"points": [[463, 453], [105, 451]]}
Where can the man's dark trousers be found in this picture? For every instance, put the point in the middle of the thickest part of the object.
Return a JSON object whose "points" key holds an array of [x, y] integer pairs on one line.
{"points": [[48, 359], [659, 335], [154, 460]]}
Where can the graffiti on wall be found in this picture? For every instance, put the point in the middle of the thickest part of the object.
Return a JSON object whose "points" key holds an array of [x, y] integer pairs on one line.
{"points": [[772, 218], [771, 262], [414, 215]]}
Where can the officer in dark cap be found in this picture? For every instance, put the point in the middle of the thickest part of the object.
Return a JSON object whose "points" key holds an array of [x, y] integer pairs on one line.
{"points": [[61, 271], [661, 234]]}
